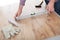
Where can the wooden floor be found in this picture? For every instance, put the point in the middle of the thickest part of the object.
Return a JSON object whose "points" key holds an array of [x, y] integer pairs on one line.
{"points": [[35, 28]]}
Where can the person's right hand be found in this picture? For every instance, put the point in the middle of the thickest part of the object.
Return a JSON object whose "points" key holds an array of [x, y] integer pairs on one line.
{"points": [[19, 12]]}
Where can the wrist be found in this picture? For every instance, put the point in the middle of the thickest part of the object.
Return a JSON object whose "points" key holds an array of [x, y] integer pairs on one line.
{"points": [[52, 1]]}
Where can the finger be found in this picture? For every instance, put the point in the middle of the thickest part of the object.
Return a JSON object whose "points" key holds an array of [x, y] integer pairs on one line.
{"points": [[52, 10], [48, 9], [15, 15]]}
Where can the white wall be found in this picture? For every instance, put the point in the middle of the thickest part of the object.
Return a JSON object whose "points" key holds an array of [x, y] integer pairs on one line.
{"points": [[7, 2], [10, 7]]}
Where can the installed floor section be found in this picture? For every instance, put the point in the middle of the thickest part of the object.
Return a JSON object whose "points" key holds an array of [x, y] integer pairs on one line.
{"points": [[34, 28]]}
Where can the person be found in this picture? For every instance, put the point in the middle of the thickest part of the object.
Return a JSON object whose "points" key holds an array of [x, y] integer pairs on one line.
{"points": [[52, 5]]}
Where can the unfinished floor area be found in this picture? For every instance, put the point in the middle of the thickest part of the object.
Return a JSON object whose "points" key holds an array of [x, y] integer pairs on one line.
{"points": [[34, 28]]}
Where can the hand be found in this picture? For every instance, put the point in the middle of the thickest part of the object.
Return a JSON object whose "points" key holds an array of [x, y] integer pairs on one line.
{"points": [[19, 11], [50, 7]]}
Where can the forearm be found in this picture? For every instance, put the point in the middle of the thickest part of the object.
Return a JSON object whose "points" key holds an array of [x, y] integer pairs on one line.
{"points": [[21, 4], [52, 1]]}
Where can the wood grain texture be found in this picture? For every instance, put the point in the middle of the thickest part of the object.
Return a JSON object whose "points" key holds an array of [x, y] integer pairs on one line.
{"points": [[34, 28]]}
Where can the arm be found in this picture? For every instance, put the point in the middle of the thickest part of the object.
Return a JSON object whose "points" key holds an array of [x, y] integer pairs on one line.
{"points": [[22, 3], [50, 6]]}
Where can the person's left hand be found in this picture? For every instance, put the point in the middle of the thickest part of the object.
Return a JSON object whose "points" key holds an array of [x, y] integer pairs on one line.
{"points": [[50, 7]]}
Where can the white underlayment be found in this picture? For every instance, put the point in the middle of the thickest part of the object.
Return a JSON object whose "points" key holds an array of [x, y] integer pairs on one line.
{"points": [[9, 8]]}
